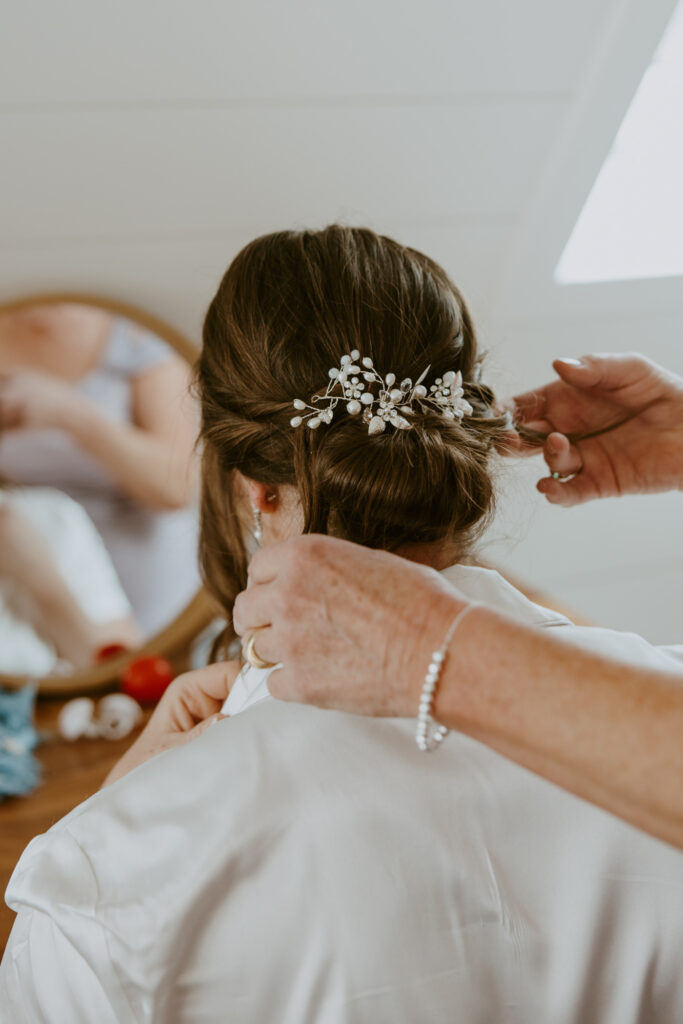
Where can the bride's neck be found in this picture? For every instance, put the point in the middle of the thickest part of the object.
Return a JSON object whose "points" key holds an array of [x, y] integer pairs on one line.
{"points": [[437, 556]]}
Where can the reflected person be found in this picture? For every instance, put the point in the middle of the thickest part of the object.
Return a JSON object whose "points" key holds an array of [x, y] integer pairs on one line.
{"points": [[97, 407]]}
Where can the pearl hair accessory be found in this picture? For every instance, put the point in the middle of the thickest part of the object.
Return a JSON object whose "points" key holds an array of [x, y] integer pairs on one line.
{"points": [[352, 382], [428, 735]]}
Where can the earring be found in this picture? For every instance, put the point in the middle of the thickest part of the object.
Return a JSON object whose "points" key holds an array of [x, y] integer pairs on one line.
{"points": [[258, 527]]}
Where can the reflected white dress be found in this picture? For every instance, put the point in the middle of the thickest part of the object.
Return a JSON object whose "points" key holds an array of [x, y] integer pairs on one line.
{"points": [[294, 865], [84, 564]]}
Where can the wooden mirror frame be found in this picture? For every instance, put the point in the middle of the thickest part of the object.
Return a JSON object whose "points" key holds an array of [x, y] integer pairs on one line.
{"points": [[171, 641]]}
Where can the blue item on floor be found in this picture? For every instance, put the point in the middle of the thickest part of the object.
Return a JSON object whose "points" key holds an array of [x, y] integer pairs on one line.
{"points": [[19, 769]]}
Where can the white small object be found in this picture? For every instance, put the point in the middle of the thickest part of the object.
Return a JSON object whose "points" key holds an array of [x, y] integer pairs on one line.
{"points": [[314, 422], [298, 404], [353, 407], [117, 716], [449, 377], [295, 421], [390, 379], [376, 425], [395, 395], [355, 354], [76, 719], [367, 398], [345, 360], [334, 372], [367, 361]]}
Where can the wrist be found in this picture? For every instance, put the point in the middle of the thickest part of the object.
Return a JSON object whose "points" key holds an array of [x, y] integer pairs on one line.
{"points": [[455, 699], [440, 605]]}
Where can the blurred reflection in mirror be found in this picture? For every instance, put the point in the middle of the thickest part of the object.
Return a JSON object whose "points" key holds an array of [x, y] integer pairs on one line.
{"points": [[98, 481]]}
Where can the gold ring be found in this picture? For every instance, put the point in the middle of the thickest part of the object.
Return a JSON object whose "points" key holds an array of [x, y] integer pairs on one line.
{"points": [[251, 655]]}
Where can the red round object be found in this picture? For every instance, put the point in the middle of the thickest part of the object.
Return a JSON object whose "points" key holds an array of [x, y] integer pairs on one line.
{"points": [[146, 678]]}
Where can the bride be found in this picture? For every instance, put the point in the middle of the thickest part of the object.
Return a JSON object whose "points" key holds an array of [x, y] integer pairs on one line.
{"points": [[293, 864]]}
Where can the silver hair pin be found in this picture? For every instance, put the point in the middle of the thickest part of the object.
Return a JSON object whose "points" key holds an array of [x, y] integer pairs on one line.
{"points": [[353, 383]]}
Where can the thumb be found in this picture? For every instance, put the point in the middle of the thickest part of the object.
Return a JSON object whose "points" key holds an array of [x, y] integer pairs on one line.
{"points": [[203, 726], [609, 372], [178, 738], [585, 372]]}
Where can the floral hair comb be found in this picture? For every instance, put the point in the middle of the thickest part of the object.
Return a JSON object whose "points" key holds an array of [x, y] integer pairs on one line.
{"points": [[355, 381]]}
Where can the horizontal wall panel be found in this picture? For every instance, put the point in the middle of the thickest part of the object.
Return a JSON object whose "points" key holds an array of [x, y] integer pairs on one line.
{"points": [[76, 176], [77, 51]]}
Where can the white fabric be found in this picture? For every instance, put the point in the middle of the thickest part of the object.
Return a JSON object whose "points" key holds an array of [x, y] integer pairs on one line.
{"points": [[294, 865], [85, 567]]}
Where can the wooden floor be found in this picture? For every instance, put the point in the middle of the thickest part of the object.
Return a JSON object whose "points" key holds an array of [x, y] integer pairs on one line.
{"points": [[71, 772]]}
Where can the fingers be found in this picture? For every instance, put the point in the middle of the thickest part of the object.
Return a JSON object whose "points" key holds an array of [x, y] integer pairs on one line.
{"points": [[290, 557], [215, 681], [252, 608], [266, 645], [513, 444], [576, 491], [609, 372], [194, 696], [267, 563], [530, 407], [564, 460], [561, 456], [177, 739], [284, 685]]}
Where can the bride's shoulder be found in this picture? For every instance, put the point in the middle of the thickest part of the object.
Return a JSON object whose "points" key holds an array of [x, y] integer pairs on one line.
{"points": [[489, 587]]}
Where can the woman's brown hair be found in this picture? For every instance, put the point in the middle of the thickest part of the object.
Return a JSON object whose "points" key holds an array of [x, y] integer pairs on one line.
{"points": [[289, 306]]}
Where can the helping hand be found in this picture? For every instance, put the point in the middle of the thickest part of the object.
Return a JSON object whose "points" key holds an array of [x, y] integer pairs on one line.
{"points": [[615, 421], [188, 707], [353, 628]]}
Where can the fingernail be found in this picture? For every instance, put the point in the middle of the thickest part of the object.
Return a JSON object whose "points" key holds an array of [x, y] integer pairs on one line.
{"points": [[569, 361]]}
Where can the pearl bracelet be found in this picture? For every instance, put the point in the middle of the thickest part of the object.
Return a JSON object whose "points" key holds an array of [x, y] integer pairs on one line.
{"points": [[428, 735]]}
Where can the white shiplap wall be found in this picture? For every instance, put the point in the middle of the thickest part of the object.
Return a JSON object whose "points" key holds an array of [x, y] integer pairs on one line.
{"points": [[143, 143]]}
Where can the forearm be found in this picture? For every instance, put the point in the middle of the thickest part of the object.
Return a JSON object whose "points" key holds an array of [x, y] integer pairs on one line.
{"points": [[143, 465], [608, 732]]}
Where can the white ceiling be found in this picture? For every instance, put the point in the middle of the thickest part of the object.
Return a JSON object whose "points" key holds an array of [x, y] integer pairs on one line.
{"points": [[144, 142]]}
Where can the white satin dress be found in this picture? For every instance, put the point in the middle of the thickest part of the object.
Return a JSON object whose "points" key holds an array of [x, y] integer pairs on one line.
{"points": [[84, 564], [294, 865]]}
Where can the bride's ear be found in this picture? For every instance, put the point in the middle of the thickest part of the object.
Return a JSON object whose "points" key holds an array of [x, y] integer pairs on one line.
{"points": [[264, 497]]}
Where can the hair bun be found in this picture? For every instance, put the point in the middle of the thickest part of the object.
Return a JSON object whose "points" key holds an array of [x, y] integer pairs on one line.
{"points": [[416, 485]]}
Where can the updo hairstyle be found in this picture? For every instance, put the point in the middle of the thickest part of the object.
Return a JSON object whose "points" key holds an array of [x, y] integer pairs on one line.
{"points": [[289, 306]]}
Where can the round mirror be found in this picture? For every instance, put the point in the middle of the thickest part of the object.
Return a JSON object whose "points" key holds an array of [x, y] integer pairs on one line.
{"points": [[98, 491]]}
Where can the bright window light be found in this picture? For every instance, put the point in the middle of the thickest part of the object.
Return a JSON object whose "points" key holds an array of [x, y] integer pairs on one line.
{"points": [[632, 223]]}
